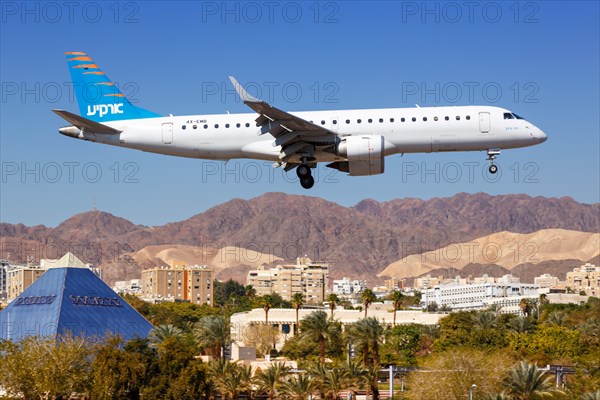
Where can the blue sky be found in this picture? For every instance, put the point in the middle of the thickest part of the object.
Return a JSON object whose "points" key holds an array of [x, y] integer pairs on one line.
{"points": [[539, 59]]}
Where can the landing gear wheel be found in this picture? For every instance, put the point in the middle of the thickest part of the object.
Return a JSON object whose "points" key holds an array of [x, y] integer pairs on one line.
{"points": [[307, 181], [493, 169], [302, 170]]}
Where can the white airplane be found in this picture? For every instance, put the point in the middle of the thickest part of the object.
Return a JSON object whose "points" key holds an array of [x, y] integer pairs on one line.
{"points": [[352, 141]]}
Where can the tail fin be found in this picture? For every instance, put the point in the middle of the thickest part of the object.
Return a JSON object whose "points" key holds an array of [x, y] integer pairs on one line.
{"points": [[98, 97]]}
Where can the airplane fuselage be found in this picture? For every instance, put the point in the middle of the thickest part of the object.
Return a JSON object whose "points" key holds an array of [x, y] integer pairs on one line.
{"points": [[405, 130]]}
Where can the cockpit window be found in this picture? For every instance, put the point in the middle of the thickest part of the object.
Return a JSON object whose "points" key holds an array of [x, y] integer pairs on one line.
{"points": [[517, 116], [508, 116]]}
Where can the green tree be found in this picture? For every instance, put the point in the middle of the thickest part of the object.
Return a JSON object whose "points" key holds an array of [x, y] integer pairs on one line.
{"points": [[485, 320], [525, 382], [173, 356], [118, 373], [318, 328], [230, 378], [451, 373], [191, 384], [354, 376], [162, 332], [269, 380], [332, 300], [297, 303], [591, 396], [213, 333], [45, 368], [397, 298], [366, 334], [522, 324], [266, 302], [368, 297], [298, 387]]}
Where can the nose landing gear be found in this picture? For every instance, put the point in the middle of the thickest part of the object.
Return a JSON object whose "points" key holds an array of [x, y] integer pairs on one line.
{"points": [[493, 168]]}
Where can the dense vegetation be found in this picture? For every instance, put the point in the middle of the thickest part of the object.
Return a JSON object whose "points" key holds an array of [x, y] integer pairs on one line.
{"points": [[496, 352]]}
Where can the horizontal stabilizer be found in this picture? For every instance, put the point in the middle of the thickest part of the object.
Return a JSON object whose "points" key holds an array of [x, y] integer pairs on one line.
{"points": [[84, 124]]}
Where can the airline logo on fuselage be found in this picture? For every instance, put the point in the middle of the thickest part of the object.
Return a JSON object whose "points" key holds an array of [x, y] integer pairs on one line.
{"points": [[103, 109]]}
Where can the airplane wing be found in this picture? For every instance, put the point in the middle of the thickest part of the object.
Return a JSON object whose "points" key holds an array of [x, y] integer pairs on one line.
{"points": [[297, 137], [85, 124]]}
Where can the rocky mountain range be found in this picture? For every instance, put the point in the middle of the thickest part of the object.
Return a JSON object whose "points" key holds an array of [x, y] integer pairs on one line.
{"points": [[359, 241]]}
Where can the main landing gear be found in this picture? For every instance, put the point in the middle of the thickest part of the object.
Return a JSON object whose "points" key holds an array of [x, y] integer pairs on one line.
{"points": [[306, 179], [493, 168]]}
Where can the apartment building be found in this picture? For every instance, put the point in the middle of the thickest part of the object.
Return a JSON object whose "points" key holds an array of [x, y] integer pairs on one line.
{"points": [[179, 282], [307, 277]]}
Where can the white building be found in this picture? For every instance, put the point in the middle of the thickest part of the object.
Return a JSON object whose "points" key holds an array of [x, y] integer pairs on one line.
{"points": [[132, 286], [4, 265], [505, 293], [284, 319], [345, 286], [546, 281]]}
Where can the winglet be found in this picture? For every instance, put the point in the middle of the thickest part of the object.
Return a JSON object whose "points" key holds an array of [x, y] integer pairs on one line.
{"points": [[244, 95]]}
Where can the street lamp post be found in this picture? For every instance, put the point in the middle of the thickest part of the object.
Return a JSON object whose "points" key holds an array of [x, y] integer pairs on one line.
{"points": [[473, 386]]}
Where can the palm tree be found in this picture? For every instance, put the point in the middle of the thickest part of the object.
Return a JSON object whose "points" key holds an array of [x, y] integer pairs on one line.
{"points": [[298, 387], [316, 327], [230, 378], [591, 396], [367, 333], [332, 299], [266, 303], [485, 320], [297, 303], [354, 376], [333, 384], [522, 324], [213, 332], [525, 381], [397, 298], [372, 379], [555, 318], [269, 380], [163, 332], [367, 297]]}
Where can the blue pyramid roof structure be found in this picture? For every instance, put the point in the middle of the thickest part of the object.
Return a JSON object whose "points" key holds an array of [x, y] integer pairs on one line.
{"points": [[71, 299]]}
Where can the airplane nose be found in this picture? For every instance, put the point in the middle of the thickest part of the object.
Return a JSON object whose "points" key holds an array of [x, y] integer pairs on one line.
{"points": [[541, 136]]}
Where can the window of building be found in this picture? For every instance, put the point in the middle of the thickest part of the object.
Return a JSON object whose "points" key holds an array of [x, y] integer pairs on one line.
{"points": [[447, 118], [237, 125], [468, 117], [247, 125], [380, 120], [435, 118], [347, 121], [391, 119], [216, 126], [195, 127], [458, 117], [205, 126], [370, 120], [183, 127], [414, 119], [425, 119], [322, 122], [358, 121], [403, 119]]}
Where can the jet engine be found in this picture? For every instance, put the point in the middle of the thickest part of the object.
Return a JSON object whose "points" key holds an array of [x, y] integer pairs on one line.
{"points": [[365, 155]]}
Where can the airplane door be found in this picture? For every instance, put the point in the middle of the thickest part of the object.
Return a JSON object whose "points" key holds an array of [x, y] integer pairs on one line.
{"points": [[334, 123], [167, 133], [484, 122]]}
